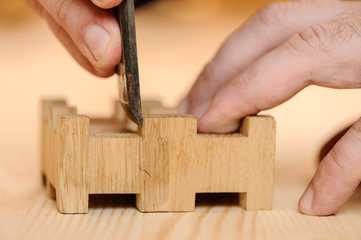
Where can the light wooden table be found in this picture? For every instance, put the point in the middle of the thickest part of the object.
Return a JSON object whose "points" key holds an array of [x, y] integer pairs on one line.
{"points": [[215, 217], [175, 38]]}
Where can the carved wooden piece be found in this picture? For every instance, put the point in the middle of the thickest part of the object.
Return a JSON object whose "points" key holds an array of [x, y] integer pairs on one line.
{"points": [[165, 163]]}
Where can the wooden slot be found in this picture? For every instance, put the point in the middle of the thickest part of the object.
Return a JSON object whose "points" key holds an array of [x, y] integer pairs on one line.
{"points": [[164, 164]]}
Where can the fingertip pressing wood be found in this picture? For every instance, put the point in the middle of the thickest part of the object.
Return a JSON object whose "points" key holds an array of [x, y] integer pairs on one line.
{"points": [[165, 163]]}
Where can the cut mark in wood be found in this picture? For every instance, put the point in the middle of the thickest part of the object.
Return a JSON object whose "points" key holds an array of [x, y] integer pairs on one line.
{"points": [[141, 169]]}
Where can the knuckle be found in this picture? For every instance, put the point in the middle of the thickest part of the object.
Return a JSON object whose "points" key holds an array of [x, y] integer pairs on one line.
{"points": [[209, 72], [326, 37], [274, 13], [62, 9], [313, 38]]}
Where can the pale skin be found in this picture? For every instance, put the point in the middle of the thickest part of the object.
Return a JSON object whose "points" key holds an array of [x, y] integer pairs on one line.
{"points": [[280, 50]]}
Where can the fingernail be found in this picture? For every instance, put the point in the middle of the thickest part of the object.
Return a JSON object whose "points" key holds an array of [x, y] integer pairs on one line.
{"points": [[97, 39], [201, 109], [305, 204], [183, 106]]}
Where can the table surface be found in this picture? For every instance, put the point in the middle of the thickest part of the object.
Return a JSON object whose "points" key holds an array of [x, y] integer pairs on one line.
{"points": [[34, 216], [176, 38]]}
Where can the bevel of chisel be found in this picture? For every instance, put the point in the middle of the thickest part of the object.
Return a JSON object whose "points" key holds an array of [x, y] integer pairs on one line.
{"points": [[128, 83]]}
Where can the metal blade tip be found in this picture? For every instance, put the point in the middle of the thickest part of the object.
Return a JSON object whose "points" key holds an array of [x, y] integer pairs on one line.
{"points": [[135, 116]]}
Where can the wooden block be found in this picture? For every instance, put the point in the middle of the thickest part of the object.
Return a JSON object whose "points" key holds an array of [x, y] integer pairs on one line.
{"points": [[165, 163], [167, 156], [72, 148]]}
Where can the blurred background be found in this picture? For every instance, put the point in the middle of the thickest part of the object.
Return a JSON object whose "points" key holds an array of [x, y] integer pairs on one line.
{"points": [[176, 38]]}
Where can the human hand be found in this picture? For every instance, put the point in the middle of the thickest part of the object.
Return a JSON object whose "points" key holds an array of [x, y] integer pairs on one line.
{"points": [[282, 49], [88, 29]]}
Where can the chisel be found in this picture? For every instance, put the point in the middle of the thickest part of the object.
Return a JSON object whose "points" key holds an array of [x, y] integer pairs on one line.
{"points": [[128, 83]]}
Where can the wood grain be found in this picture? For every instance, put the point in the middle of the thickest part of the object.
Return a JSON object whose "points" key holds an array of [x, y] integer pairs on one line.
{"points": [[115, 217], [165, 163], [32, 215], [27, 213]]}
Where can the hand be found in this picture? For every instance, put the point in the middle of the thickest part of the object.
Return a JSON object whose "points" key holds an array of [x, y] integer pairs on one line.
{"points": [[282, 49], [88, 29]]}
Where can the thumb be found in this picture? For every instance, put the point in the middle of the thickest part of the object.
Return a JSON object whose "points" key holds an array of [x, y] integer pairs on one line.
{"points": [[336, 178]]}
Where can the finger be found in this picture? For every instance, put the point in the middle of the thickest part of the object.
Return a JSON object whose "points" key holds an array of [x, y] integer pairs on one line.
{"points": [[336, 178], [95, 31], [325, 55], [64, 38], [267, 29], [68, 43], [106, 4]]}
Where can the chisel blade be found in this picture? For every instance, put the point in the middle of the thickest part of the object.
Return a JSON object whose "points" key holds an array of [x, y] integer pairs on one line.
{"points": [[128, 82]]}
